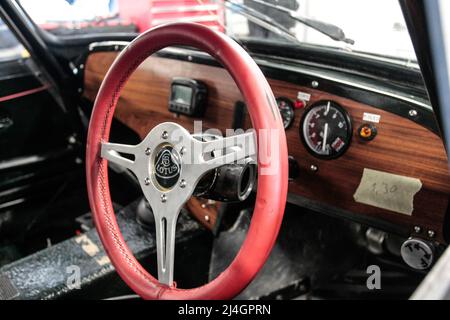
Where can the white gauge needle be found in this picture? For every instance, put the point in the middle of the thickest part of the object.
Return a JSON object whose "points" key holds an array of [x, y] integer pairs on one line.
{"points": [[328, 109], [325, 136]]}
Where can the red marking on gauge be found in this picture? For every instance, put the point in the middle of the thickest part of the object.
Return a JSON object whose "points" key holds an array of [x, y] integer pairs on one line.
{"points": [[338, 144]]}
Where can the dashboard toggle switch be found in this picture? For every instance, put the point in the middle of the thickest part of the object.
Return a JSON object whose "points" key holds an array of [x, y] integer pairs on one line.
{"points": [[367, 132], [299, 104], [302, 100]]}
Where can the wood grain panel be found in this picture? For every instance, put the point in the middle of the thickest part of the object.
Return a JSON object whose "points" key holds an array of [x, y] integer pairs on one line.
{"points": [[401, 147], [205, 211], [144, 100]]}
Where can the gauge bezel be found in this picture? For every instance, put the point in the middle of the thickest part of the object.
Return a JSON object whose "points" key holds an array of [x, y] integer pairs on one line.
{"points": [[292, 106], [347, 119]]}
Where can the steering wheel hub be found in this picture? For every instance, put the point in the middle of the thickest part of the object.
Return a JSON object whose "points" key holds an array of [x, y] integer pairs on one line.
{"points": [[167, 167]]}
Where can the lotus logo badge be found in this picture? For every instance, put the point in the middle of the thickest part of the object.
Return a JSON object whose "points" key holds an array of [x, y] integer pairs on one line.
{"points": [[167, 167]]}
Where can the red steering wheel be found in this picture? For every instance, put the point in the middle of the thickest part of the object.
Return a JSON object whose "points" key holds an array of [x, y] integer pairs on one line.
{"points": [[187, 158]]}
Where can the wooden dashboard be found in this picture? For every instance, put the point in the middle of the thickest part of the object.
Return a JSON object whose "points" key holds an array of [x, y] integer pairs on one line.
{"points": [[401, 147]]}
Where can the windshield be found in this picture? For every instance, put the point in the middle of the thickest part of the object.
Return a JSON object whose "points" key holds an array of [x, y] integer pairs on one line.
{"points": [[10, 47], [373, 27]]}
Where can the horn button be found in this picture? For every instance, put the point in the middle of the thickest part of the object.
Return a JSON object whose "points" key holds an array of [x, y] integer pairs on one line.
{"points": [[167, 167]]}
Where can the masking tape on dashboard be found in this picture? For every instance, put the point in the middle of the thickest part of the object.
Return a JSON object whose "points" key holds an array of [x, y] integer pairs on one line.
{"points": [[388, 191]]}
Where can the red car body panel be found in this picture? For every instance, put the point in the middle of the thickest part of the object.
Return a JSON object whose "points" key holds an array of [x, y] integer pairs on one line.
{"points": [[146, 14]]}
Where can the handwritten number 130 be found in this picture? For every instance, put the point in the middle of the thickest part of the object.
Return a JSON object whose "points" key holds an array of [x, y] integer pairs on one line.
{"points": [[384, 188]]}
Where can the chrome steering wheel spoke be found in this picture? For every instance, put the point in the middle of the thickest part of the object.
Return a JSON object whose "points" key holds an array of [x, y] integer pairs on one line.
{"points": [[169, 163], [113, 153], [165, 227], [222, 151]]}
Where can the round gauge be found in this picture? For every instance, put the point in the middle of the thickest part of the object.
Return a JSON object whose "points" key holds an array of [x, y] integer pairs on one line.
{"points": [[326, 130], [286, 108]]}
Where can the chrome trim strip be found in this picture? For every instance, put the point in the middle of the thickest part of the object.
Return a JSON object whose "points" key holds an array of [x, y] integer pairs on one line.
{"points": [[398, 96], [348, 83], [116, 44], [189, 53]]}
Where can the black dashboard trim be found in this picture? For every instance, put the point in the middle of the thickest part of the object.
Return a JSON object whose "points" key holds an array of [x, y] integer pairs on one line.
{"points": [[340, 213], [357, 88]]}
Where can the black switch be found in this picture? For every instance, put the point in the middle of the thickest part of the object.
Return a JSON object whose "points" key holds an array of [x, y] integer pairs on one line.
{"points": [[294, 169]]}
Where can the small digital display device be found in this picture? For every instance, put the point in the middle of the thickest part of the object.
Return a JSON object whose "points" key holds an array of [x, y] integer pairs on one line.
{"points": [[182, 94], [188, 97]]}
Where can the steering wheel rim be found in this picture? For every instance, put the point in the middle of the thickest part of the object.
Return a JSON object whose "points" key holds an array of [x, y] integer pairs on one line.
{"points": [[272, 162]]}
